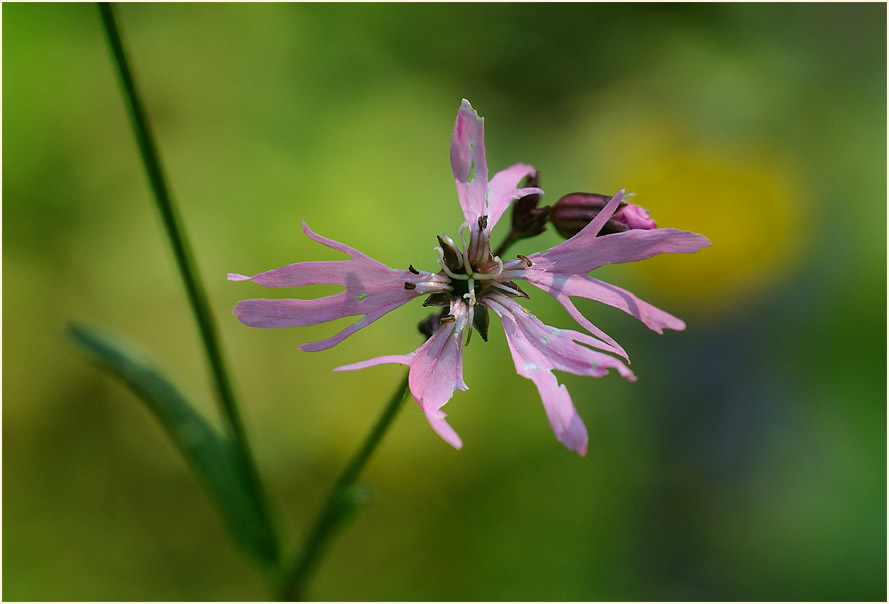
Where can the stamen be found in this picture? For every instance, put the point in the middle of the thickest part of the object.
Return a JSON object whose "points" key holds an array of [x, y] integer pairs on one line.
{"points": [[409, 285], [464, 249], [485, 276], [447, 319], [509, 290], [432, 287], [511, 274], [413, 270], [524, 259], [483, 222]]}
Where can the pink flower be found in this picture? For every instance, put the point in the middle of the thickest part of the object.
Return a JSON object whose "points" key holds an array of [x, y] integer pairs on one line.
{"points": [[634, 217], [471, 282]]}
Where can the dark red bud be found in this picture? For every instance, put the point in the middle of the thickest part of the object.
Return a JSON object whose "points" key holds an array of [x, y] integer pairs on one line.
{"points": [[527, 219], [576, 210]]}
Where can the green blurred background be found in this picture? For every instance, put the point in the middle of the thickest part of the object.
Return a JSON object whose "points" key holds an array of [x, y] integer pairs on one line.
{"points": [[748, 461]]}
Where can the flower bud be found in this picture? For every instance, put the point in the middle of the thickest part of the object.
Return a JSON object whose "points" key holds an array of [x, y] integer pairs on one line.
{"points": [[576, 210], [527, 219], [634, 217]]}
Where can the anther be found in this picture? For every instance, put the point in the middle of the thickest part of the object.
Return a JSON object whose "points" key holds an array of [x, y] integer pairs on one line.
{"points": [[483, 222], [409, 285], [413, 270], [447, 319], [524, 259]]}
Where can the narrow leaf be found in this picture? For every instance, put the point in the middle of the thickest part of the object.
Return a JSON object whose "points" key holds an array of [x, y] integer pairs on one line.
{"points": [[212, 456]]}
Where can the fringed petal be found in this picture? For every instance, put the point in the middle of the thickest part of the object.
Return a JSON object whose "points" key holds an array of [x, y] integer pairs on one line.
{"points": [[468, 161], [436, 371], [372, 289], [503, 190], [538, 349], [562, 287], [585, 252]]}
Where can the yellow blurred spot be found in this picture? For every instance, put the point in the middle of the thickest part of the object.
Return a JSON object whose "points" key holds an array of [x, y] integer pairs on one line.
{"points": [[742, 197]]}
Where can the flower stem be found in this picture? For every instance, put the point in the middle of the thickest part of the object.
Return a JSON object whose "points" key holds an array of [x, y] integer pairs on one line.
{"points": [[340, 502], [507, 243], [181, 249]]}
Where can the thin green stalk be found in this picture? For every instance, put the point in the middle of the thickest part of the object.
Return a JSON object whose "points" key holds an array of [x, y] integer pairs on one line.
{"points": [[339, 503], [507, 243], [181, 249]]}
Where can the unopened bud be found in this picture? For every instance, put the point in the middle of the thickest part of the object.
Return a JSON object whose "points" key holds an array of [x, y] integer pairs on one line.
{"points": [[576, 210], [527, 219]]}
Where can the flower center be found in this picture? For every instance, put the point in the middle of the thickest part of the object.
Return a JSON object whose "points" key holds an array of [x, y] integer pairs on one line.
{"points": [[472, 261], [471, 266], [473, 274]]}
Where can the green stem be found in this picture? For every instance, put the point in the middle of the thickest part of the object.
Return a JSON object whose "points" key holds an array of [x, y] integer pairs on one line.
{"points": [[507, 243], [339, 503], [181, 250]]}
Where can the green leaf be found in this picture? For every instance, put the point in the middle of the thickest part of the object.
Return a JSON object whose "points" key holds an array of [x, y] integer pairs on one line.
{"points": [[213, 457]]}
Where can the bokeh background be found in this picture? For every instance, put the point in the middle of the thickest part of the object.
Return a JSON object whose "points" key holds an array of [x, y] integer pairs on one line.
{"points": [[747, 463]]}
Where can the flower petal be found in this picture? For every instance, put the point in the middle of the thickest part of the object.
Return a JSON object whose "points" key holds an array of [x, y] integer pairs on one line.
{"points": [[610, 344], [605, 215], [295, 313], [468, 161], [372, 289], [589, 233], [436, 371], [503, 190], [437, 420], [348, 331], [437, 368], [562, 286], [396, 359], [334, 272], [560, 411], [585, 252], [336, 245], [538, 349], [290, 312]]}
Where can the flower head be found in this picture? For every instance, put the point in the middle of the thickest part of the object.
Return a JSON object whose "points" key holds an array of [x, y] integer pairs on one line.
{"points": [[472, 282]]}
